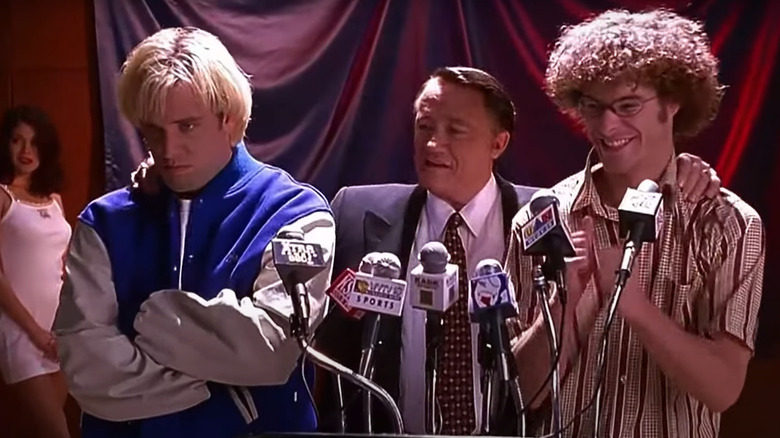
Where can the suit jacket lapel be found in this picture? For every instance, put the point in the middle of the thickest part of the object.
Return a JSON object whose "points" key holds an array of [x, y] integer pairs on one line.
{"points": [[395, 234], [509, 203], [409, 227], [375, 229]]}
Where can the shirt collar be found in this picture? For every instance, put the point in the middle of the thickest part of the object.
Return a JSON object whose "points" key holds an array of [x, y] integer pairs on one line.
{"points": [[474, 213], [588, 198]]}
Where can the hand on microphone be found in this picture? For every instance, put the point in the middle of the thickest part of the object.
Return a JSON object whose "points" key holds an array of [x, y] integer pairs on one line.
{"points": [[599, 265], [607, 261]]}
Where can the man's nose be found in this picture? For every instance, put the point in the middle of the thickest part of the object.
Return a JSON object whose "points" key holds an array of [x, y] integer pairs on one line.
{"points": [[609, 121], [171, 147], [438, 139]]}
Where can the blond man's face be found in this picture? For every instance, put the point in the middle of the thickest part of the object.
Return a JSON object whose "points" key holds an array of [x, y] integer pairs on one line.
{"points": [[189, 143]]}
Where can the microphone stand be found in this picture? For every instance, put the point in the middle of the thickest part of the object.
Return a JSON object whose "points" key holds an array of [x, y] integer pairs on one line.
{"points": [[298, 329], [486, 359], [508, 371], [602, 356], [434, 337], [495, 356], [630, 250], [342, 426], [540, 285], [366, 367]]}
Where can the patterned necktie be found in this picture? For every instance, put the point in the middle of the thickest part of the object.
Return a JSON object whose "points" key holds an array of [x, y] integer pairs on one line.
{"points": [[455, 389]]}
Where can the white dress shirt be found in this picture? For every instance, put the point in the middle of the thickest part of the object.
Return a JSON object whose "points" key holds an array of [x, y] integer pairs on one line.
{"points": [[483, 237]]}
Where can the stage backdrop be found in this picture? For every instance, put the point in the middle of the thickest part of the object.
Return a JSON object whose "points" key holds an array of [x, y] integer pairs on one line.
{"points": [[334, 82]]}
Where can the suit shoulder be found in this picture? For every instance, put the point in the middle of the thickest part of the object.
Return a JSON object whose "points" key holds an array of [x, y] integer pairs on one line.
{"points": [[566, 191], [379, 192], [524, 193]]}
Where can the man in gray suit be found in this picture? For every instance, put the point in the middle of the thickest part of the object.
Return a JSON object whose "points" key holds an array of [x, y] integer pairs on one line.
{"points": [[463, 122]]}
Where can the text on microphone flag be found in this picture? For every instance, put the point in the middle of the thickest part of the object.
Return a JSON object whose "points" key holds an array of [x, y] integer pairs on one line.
{"points": [[339, 291], [491, 292], [641, 202], [538, 226], [428, 286], [376, 294], [296, 252], [488, 289]]}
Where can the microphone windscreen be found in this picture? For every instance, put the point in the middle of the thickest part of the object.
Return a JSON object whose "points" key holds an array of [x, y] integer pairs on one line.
{"points": [[648, 186], [290, 232], [434, 257], [542, 199], [367, 263], [488, 267], [387, 265]]}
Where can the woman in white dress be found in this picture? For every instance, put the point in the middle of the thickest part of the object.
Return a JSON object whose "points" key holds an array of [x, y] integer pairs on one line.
{"points": [[33, 239]]}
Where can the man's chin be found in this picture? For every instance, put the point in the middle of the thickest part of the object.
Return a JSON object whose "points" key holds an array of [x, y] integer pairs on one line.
{"points": [[179, 186], [440, 189], [433, 183], [616, 167]]}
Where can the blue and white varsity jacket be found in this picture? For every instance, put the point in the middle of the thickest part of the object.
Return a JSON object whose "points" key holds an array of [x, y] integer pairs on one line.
{"points": [[173, 321]]}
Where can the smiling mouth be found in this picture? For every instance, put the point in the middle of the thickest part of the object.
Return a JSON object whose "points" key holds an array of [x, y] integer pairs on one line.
{"points": [[615, 144], [25, 161]]}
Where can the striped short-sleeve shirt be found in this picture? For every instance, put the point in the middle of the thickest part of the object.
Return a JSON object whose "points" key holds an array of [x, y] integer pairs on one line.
{"points": [[704, 272]]}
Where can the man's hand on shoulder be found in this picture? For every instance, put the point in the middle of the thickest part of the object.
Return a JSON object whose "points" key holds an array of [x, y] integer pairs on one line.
{"points": [[696, 179]]}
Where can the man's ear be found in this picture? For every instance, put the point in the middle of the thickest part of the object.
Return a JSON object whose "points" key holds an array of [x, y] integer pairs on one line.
{"points": [[228, 124], [672, 107], [499, 144], [225, 120]]}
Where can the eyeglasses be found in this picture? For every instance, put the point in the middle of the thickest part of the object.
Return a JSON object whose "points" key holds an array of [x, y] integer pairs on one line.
{"points": [[624, 107]]}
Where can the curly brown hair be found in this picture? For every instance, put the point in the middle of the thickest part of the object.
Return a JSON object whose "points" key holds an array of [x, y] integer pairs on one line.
{"points": [[659, 48]]}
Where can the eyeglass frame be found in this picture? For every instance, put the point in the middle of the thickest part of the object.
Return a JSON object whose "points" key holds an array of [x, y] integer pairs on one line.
{"points": [[601, 107]]}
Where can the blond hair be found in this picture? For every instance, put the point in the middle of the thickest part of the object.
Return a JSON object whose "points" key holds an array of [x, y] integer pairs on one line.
{"points": [[659, 48], [184, 55]]}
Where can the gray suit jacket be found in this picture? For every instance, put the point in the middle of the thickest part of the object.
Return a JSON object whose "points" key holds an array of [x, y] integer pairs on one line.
{"points": [[378, 218]]}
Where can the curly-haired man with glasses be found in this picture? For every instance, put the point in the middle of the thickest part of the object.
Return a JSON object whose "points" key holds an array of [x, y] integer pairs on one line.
{"points": [[686, 323]]}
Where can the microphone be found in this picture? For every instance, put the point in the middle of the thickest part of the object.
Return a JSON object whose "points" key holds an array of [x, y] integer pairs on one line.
{"points": [[340, 290], [491, 293], [434, 282], [434, 288], [367, 262], [296, 262], [641, 218], [378, 293], [491, 301], [545, 234]]}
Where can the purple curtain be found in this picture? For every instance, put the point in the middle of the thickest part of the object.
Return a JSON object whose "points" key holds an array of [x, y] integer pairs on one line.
{"points": [[334, 82]]}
